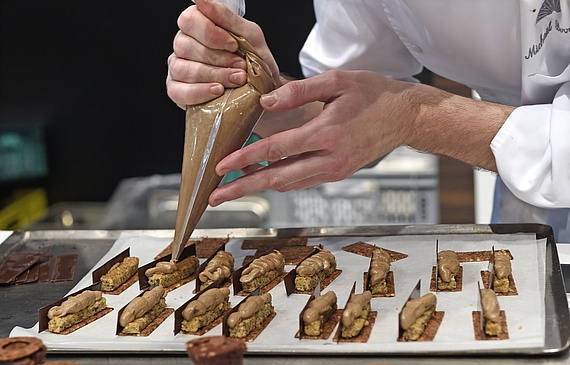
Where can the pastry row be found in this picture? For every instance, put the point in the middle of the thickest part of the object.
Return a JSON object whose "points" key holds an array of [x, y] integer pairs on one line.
{"points": [[212, 301]]}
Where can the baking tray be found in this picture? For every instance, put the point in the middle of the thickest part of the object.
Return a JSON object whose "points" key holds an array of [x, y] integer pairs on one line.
{"points": [[92, 245]]}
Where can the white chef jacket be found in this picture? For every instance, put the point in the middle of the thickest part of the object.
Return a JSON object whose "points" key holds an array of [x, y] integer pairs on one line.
{"points": [[514, 52]]}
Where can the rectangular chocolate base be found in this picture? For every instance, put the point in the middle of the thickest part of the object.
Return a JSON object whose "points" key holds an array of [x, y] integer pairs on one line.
{"points": [[458, 281], [262, 245], [390, 286], [482, 336], [477, 256], [364, 334], [327, 330], [366, 249], [124, 286], [431, 328], [152, 325], [485, 275], [257, 331], [204, 247], [84, 323], [208, 327], [266, 288], [290, 286]]}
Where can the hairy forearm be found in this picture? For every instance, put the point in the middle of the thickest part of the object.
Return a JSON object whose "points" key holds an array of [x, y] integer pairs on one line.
{"points": [[455, 126], [431, 120]]}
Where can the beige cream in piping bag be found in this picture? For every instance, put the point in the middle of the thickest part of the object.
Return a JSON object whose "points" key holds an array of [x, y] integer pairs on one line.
{"points": [[214, 130]]}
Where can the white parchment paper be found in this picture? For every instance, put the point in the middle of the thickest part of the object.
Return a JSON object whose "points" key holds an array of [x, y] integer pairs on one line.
{"points": [[525, 312]]}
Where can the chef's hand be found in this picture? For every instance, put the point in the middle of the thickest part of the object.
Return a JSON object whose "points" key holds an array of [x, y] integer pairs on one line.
{"points": [[203, 61], [365, 116]]}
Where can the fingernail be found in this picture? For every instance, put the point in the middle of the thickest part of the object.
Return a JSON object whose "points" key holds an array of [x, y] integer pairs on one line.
{"points": [[230, 47], [217, 89], [269, 99], [238, 77], [213, 200], [239, 64]]}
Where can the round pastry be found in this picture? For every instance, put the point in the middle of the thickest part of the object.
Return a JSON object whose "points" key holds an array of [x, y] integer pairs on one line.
{"points": [[22, 351], [216, 350]]}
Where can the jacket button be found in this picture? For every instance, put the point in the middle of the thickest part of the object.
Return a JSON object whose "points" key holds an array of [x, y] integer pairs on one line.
{"points": [[416, 48]]}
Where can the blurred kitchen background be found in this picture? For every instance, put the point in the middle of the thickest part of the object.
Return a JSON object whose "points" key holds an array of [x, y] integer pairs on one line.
{"points": [[90, 140]]}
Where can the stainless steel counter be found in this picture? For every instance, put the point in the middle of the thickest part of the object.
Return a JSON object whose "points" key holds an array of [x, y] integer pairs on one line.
{"points": [[329, 360]]}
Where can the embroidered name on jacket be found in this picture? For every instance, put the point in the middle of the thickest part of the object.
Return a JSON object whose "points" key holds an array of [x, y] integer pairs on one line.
{"points": [[548, 7]]}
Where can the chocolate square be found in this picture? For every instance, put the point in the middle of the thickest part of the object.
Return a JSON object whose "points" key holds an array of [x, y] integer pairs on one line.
{"points": [[64, 269], [17, 263]]}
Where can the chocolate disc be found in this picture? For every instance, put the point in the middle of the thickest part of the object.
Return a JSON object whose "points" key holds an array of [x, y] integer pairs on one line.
{"points": [[21, 347]]}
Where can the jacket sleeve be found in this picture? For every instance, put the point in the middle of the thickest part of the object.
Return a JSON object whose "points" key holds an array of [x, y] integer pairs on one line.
{"points": [[532, 150], [353, 35]]}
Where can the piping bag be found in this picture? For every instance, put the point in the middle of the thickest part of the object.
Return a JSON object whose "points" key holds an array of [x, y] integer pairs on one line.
{"points": [[214, 130]]}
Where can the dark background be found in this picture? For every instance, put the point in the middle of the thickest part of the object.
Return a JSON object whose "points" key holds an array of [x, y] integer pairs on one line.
{"points": [[92, 74]]}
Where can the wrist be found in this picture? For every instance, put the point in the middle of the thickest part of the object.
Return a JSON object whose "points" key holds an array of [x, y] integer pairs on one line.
{"points": [[418, 99], [456, 126]]}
